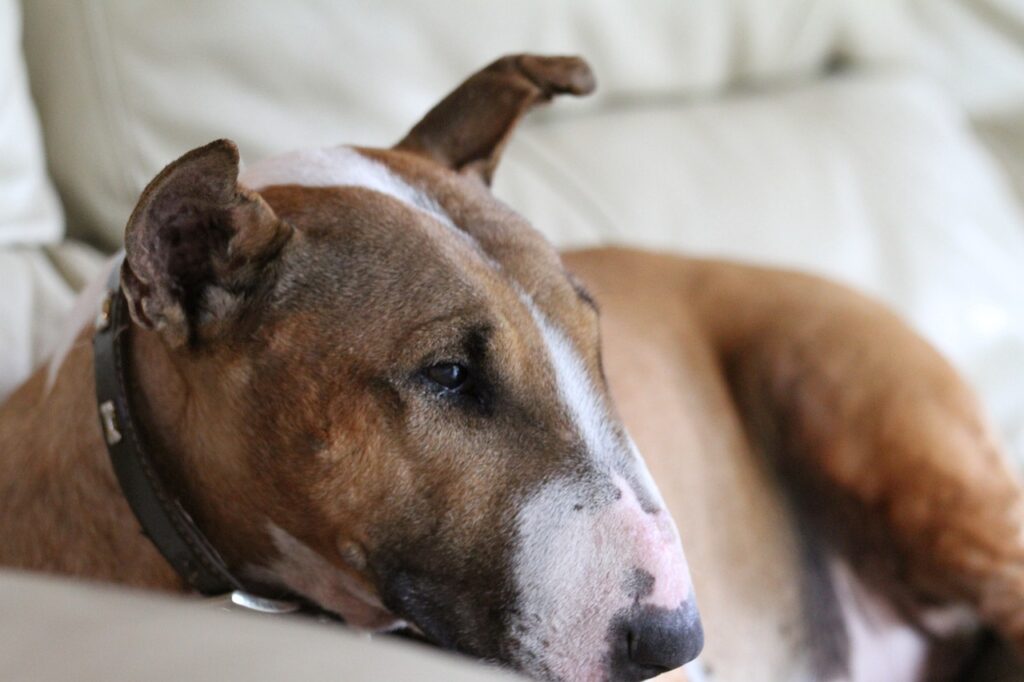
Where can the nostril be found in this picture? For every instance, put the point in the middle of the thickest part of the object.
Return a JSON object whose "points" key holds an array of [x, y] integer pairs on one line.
{"points": [[657, 640], [642, 659], [647, 658], [631, 644]]}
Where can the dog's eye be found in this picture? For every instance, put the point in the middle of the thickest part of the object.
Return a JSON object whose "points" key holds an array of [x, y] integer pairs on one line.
{"points": [[450, 376]]}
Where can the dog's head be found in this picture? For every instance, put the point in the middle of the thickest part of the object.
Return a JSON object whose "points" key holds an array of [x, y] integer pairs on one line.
{"points": [[392, 399]]}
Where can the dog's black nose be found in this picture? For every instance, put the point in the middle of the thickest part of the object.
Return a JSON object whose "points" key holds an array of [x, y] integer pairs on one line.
{"points": [[649, 640]]}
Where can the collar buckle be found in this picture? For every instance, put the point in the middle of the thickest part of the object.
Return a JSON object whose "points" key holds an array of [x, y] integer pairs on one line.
{"points": [[240, 600]]}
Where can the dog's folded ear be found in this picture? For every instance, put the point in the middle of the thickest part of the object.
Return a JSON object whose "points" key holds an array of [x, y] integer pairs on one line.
{"points": [[469, 128], [196, 244]]}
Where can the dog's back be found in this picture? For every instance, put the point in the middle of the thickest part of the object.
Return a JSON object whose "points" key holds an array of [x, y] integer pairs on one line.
{"points": [[807, 443]]}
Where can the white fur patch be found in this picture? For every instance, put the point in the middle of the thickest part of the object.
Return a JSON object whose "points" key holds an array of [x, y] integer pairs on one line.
{"points": [[882, 645], [586, 405], [563, 579], [339, 166], [578, 395]]}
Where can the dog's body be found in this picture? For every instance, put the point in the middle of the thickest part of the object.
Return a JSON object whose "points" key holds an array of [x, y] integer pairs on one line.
{"points": [[798, 429], [846, 510]]}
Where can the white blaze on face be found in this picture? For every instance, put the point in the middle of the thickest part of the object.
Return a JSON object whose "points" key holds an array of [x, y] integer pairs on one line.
{"points": [[339, 166], [585, 556]]}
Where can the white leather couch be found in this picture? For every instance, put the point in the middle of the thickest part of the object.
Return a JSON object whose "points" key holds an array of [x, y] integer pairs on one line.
{"points": [[878, 143], [58, 630]]}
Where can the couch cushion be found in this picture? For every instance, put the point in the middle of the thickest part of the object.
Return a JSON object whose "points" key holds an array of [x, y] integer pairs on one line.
{"points": [[34, 297], [29, 212], [37, 294], [33, 303], [877, 181], [54, 629]]}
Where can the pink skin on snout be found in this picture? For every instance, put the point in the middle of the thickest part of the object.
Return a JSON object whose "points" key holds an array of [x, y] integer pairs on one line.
{"points": [[656, 547], [578, 570]]}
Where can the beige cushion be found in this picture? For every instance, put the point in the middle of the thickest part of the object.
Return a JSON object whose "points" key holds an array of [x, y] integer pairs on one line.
{"points": [[37, 293], [34, 297], [58, 630], [1004, 136], [29, 212], [34, 301]]}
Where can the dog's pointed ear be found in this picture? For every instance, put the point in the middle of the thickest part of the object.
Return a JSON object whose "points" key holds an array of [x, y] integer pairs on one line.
{"points": [[196, 243], [469, 128]]}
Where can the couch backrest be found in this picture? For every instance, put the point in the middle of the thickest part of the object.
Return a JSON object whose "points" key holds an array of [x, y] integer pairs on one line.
{"points": [[124, 86]]}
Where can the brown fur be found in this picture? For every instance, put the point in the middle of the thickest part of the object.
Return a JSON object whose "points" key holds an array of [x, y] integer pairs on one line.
{"points": [[883, 445], [61, 508]]}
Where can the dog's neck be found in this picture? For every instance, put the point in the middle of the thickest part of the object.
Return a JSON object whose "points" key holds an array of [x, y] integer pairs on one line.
{"points": [[190, 408], [62, 509]]}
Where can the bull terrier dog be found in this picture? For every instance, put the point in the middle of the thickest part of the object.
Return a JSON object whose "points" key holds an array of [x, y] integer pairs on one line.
{"points": [[353, 376]]}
